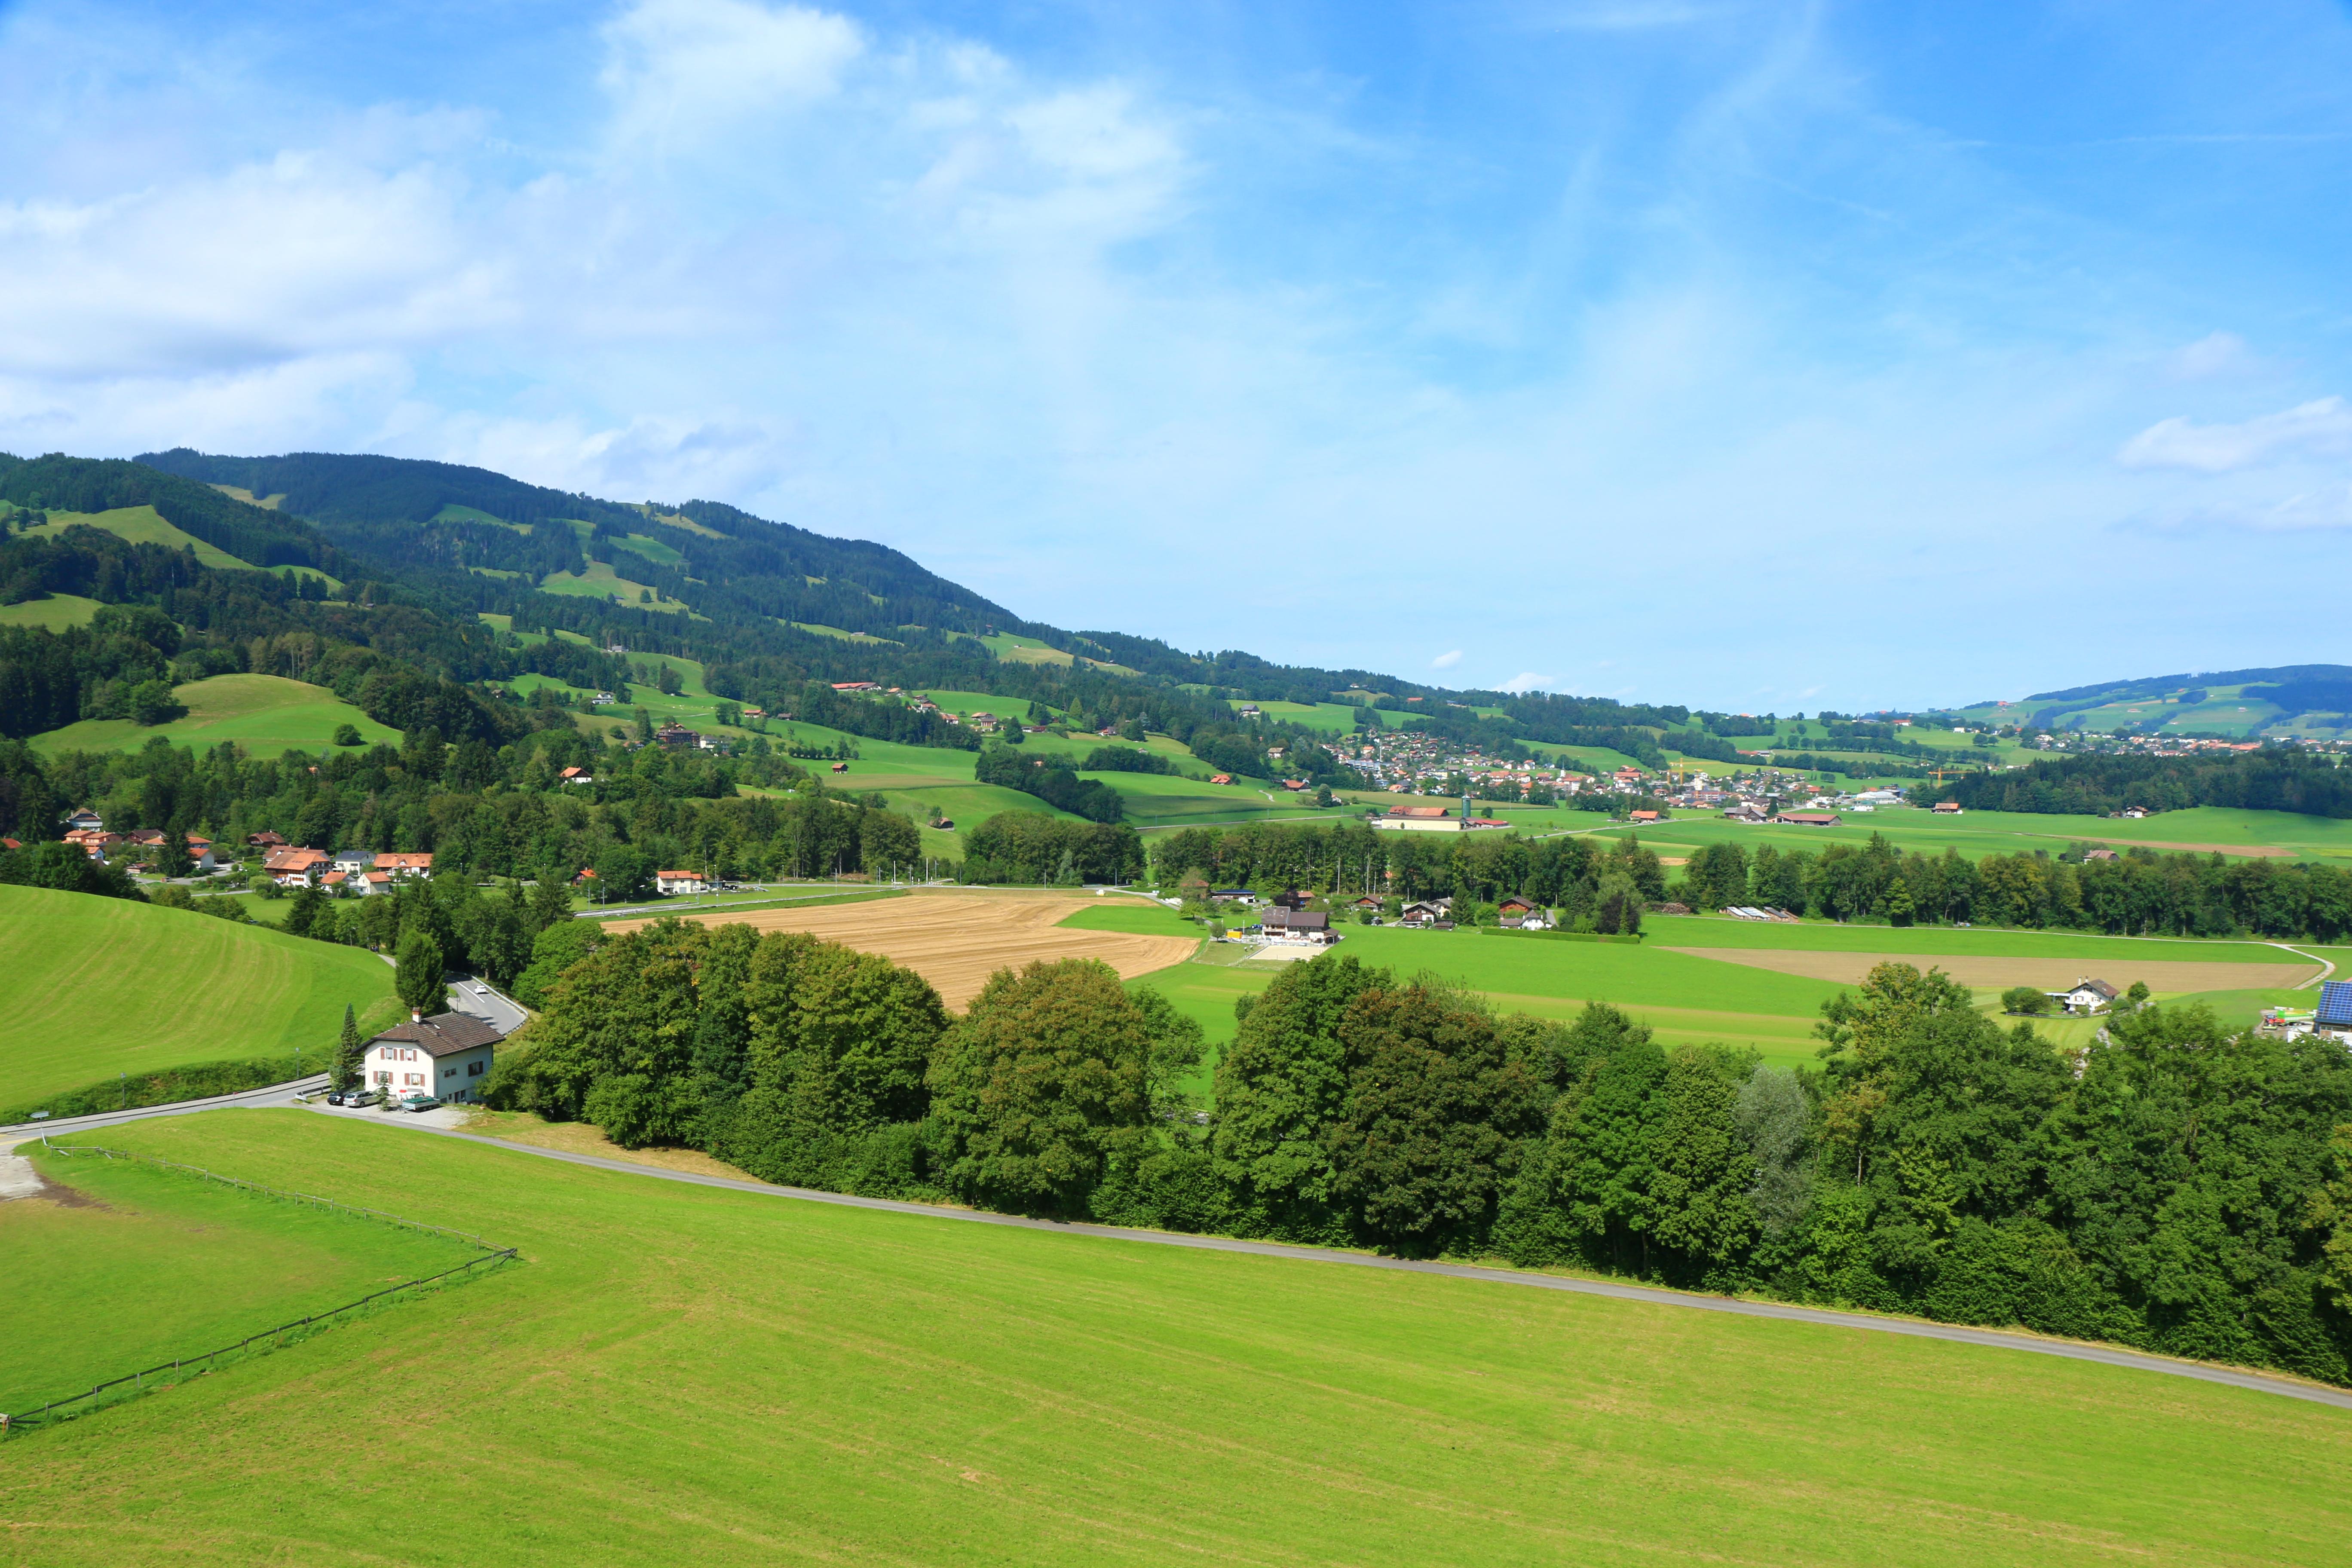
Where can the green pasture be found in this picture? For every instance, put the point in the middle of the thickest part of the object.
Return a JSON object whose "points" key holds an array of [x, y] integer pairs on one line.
{"points": [[57, 612], [836, 632], [267, 714], [182, 1266], [145, 526], [601, 582], [1328, 718], [236, 492], [452, 513], [1976, 834], [1823, 936], [139, 525], [679, 1374], [650, 547], [90, 987]]}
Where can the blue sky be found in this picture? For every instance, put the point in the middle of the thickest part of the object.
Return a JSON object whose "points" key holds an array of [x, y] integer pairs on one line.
{"points": [[1749, 355]]}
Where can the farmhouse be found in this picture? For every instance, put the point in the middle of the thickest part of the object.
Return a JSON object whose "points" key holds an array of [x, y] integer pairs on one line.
{"points": [[443, 1057], [265, 841], [669, 882], [576, 776], [1645, 817], [1946, 808], [1220, 778], [1298, 925], [404, 867], [675, 736], [2085, 997], [1808, 818], [86, 821], [297, 867]]}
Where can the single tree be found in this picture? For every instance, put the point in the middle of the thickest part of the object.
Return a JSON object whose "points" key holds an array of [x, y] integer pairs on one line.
{"points": [[348, 1053], [420, 977], [347, 735]]}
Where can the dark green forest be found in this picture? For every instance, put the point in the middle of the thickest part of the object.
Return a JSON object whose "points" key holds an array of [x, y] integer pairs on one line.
{"points": [[2275, 778]]}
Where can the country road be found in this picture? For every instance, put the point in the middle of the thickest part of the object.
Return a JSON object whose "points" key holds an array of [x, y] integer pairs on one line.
{"points": [[1993, 1338]]}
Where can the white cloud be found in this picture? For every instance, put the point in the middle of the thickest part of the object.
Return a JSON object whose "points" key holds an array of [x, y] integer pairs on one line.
{"points": [[2214, 354], [682, 72], [1446, 660], [2322, 427], [1531, 682]]}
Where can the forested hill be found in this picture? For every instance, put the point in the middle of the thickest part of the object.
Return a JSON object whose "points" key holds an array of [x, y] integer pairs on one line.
{"points": [[253, 534], [404, 509]]}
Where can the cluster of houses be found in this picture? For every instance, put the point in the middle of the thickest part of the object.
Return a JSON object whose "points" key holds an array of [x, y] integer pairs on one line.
{"points": [[86, 830], [1286, 917], [357, 871]]}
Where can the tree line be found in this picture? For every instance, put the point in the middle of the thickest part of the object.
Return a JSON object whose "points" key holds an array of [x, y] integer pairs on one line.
{"points": [[2170, 1187], [2100, 783]]}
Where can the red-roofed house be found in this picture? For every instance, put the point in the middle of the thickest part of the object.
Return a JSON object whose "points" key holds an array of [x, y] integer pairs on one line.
{"points": [[669, 882], [297, 867]]}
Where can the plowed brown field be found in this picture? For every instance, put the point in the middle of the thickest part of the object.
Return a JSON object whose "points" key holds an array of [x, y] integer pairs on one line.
{"points": [[956, 940], [2048, 973]]}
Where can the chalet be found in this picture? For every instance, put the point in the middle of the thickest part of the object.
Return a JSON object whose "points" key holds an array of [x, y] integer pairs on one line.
{"points": [[2133, 812], [841, 767], [1294, 784], [1242, 896], [1808, 818], [264, 841], [2085, 997], [1428, 912], [1644, 816], [761, 712], [1744, 812], [297, 867], [1297, 925], [1946, 808], [670, 882], [1248, 711], [445, 1057], [602, 700], [1220, 778], [674, 736], [86, 820], [93, 843], [1509, 907], [2100, 854], [1368, 903], [856, 686], [404, 867], [575, 777]]}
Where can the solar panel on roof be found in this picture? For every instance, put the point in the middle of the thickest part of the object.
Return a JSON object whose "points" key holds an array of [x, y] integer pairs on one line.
{"points": [[2336, 1004]]}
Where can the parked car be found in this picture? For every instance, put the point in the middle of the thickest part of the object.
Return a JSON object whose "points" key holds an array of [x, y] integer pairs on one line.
{"points": [[419, 1102], [353, 1097]]}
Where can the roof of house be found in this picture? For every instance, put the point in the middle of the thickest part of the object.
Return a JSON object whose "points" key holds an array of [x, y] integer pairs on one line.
{"points": [[1419, 810], [390, 861], [1295, 919], [2098, 988], [442, 1034], [294, 859], [673, 876], [2335, 1004]]}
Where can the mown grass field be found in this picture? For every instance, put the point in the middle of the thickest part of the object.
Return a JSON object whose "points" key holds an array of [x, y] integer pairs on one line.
{"points": [[681, 1374], [57, 612], [92, 987], [1820, 936], [267, 714], [1980, 833], [601, 582], [182, 1266], [145, 526]]}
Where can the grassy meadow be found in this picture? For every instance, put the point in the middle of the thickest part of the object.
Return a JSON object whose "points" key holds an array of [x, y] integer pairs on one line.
{"points": [[680, 1373], [57, 613], [266, 714], [93, 987], [1974, 833], [185, 1265], [145, 526]]}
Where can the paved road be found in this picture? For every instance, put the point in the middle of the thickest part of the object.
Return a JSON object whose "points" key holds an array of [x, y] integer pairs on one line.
{"points": [[501, 1011], [269, 1095], [1989, 1338]]}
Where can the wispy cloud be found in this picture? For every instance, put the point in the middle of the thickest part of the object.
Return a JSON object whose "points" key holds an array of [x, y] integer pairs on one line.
{"points": [[1446, 660], [1531, 682], [2322, 427]]}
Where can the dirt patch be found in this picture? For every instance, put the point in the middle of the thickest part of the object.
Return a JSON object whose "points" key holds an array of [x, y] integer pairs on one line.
{"points": [[582, 1137], [20, 1179], [956, 940], [2046, 974]]}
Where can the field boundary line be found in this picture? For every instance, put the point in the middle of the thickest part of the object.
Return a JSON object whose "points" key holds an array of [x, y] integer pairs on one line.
{"points": [[60, 1409], [1917, 1328]]}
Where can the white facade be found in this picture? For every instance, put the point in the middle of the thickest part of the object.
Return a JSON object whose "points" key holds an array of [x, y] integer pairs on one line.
{"points": [[400, 1070]]}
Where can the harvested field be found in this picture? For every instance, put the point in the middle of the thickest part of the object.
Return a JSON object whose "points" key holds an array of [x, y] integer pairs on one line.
{"points": [[2049, 974], [956, 940]]}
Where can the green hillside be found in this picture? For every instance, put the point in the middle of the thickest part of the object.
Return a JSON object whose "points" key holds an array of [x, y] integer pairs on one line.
{"points": [[267, 714], [92, 987], [55, 612], [185, 1265], [690, 1375]]}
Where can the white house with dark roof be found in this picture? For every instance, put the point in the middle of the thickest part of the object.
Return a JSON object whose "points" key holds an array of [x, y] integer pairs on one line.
{"points": [[2085, 997], [445, 1056]]}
